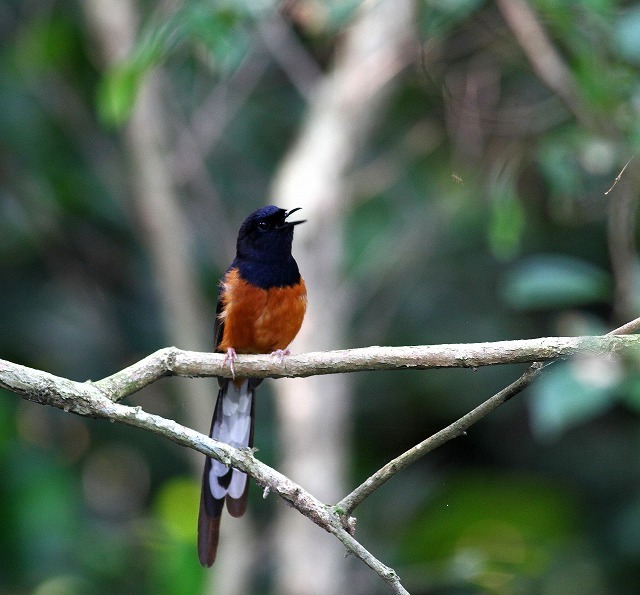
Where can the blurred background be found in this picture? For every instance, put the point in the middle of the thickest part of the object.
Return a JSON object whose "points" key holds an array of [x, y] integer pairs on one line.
{"points": [[457, 164]]}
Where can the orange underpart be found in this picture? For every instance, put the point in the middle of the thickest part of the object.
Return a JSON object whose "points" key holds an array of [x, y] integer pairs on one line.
{"points": [[260, 320]]}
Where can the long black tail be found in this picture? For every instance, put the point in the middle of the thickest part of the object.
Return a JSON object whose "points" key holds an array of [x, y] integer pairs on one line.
{"points": [[232, 424]]}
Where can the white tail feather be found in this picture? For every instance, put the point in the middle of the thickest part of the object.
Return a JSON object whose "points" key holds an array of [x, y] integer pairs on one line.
{"points": [[233, 427]]}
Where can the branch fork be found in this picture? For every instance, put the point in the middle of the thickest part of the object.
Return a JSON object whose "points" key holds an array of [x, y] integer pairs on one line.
{"points": [[101, 399]]}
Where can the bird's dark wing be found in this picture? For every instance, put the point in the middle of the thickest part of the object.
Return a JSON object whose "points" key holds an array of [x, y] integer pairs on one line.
{"points": [[218, 325]]}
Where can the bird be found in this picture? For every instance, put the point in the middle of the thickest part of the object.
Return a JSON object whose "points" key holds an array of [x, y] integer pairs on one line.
{"points": [[262, 301]]}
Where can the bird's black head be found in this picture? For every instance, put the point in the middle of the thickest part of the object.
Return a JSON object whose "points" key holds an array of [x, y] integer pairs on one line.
{"points": [[266, 235]]}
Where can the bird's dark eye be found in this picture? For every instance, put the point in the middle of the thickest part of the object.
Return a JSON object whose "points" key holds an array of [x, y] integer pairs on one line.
{"points": [[264, 225]]}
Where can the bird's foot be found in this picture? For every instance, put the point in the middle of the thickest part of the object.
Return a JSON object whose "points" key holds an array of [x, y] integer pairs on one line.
{"points": [[230, 358], [280, 353]]}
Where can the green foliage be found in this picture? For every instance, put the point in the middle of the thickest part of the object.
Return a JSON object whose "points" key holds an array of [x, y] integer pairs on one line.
{"points": [[495, 532], [175, 566], [626, 34], [222, 30], [45, 44], [118, 92], [574, 393], [554, 281], [507, 223], [177, 505]]}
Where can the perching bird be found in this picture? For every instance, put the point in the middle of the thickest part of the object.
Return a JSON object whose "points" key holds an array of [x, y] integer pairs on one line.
{"points": [[261, 303]]}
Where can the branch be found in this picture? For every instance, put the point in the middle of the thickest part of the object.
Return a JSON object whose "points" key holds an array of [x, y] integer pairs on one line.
{"points": [[99, 399], [87, 399], [172, 361], [458, 428]]}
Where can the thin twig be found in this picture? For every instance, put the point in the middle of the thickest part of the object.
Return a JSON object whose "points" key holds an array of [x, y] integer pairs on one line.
{"points": [[347, 505], [457, 428], [620, 174], [626, 329]]}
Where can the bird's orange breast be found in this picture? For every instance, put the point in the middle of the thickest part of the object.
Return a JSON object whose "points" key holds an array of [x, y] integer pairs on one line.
{"points": [[260, 320]]}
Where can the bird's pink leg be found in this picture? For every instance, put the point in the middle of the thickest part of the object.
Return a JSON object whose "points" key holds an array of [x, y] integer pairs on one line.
{"points": [[230, 358]]}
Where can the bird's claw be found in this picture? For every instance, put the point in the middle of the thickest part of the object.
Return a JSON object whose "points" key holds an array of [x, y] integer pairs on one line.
{"points": [[230, 358], [280, 353]]}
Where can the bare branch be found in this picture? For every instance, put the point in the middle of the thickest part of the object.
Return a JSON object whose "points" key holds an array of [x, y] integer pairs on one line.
{"points": [[87, 399], [347, 505], [99, 399], [630, 327], [457, 428], [172, 361]]}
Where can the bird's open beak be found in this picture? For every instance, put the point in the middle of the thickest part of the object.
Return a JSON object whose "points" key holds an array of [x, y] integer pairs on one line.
{"points": [[290, 213]]}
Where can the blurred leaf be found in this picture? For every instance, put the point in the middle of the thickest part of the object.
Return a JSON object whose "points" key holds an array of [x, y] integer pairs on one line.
{"points": [[556, 11], [177, 507], [568, 15], [593, 76], [44, 44], [222, 29], [340, 11], [66, 584], [507, 224], [176, 567], [221, 32], [554, 281], [119, 87], [559, 164], [626, 33], [117, 93], [484, 523], [569, 394], [47, 511]]}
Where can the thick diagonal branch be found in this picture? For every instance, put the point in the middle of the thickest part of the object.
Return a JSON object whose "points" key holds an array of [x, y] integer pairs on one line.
{"points": [[87, 399]]}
